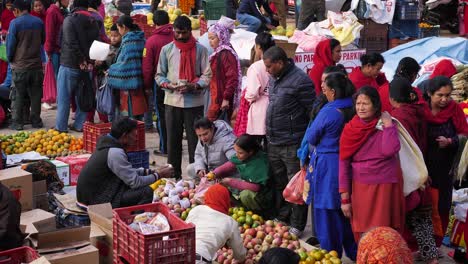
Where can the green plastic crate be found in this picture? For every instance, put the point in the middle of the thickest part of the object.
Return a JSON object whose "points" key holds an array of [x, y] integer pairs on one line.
{"points": [[214, 9]]}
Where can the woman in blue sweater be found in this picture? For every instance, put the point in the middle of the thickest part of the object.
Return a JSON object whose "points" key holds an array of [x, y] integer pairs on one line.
{"points": [[126, 75], [333, 230]]}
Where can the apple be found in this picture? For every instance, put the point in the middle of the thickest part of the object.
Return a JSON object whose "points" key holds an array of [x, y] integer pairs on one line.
{"points": [[293, 237], [251, 251], [283, 245], [248, 238], [265, 248], [257, 248], [268, 239], [221, 259], [296, 243], [249, 261], [185, 194], [285, 228], [270, 223], [227, 261], [260, 234], [277, 235], [251, 232], [276, 241], [268, 229], [291, 247], [249, 245]]}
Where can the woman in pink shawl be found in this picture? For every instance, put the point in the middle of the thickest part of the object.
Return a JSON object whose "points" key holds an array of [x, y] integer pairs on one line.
{"points": [[227, 76]]}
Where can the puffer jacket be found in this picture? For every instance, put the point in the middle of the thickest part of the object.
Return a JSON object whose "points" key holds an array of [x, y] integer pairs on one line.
{"points": [[291, 97], [220, 150]]}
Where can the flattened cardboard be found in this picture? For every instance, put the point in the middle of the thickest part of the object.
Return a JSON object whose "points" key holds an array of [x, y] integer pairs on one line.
{"points": [[20, 184], [61, 239], [103, 243], [39, 187], [41, 260], [37, 219], [84, 255], [68, 202], [40, 196]]}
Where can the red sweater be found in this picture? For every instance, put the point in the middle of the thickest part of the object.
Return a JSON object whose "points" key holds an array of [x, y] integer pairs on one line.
{"points": [[42, 15], [384, 92], [53, 25], [359, 79], [160, 38], [7, 17]]}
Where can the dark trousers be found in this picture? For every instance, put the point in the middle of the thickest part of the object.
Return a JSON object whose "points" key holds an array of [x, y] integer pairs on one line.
{"points": [[27, 84], [176, 119], [311, 10], [284, 165], [131, 197], [160, 113]]}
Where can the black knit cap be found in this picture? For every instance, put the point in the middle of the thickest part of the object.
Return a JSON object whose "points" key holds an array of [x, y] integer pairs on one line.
{"points": [[22, 4]]}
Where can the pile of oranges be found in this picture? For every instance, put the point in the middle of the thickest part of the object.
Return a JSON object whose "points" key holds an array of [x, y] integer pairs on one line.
{"points": [[48, 143]]}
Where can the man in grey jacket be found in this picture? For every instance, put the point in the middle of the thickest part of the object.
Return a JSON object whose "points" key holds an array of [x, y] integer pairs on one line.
{"points": [[291, 97], [215, 147]]}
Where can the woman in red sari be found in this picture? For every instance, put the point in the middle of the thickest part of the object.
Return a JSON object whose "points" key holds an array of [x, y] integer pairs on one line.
{"points": [[327, 53], [368, 74], [370, 177], [446, 121]]}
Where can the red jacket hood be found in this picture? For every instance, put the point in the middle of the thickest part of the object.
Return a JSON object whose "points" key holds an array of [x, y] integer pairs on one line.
{"points": [[164, 30]]}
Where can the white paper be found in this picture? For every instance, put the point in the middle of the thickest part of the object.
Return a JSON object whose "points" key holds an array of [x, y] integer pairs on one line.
{"points": [[99, 51], [17, 158]]}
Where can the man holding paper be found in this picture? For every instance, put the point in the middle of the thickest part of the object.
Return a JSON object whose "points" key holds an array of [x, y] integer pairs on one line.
{"points": [[183, 72]]}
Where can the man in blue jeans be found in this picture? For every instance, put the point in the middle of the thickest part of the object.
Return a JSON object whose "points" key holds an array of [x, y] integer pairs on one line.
{"points": [[249, 14], [79, 30]]}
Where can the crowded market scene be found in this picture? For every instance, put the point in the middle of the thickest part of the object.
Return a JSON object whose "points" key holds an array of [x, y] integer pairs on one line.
{"points": [[234, 131]]}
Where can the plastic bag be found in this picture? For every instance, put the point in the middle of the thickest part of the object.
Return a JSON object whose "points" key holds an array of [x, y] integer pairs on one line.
{"points": [[104, 98], [50, 84], [85, 94], [201, 190], [3, 54], [293, 191]]}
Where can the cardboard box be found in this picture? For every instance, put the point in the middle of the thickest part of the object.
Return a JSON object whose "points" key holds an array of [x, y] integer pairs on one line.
{"points": [[289, 48], [40, 195], [101, 231], [76, 164], [20, 184], [63, 171], [103, 243], [37, 217], [66, 246]]}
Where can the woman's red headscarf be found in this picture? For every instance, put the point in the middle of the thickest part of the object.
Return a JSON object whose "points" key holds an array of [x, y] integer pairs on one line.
{"points": [[355, 134], [322, 59], [444, 68], [217, 197], [383, 245]]}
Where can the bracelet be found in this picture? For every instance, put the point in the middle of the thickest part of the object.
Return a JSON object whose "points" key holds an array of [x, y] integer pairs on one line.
{"points": [[345, 201]]}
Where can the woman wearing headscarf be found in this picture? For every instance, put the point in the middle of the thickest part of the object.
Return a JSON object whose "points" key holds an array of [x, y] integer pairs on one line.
{"points": [[370, 176], [383, 245], [125, 75], [327, 53], [214, 227], [368, 74], [227, 76], [410, 114], [408, 68], [446, 121], [332, 228]]}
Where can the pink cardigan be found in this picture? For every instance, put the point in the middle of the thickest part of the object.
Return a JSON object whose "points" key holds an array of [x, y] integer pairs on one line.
{"points": [[257, 94], [375, 162]]}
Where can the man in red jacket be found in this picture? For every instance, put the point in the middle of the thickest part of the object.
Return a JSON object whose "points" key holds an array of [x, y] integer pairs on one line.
{"points": [[162, 35]]}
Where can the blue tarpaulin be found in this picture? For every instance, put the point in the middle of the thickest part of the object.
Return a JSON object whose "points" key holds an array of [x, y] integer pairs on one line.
{"points": [[426, 49]]}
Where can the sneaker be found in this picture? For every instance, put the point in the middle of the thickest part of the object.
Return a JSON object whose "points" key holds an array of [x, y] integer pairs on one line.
{"points": [[16, 126], [47, 106], [295, 232]]}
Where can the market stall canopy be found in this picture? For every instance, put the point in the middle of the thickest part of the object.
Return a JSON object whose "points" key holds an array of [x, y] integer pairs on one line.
{"points": [[425, 50]]}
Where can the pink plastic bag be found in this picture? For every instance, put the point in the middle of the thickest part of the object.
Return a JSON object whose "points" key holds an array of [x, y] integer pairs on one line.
{"points": [[50, 84], [201, 189], [293, 191]]}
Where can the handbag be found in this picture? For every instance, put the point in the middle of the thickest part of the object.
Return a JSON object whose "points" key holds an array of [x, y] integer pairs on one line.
{"points": [[50, 84], [105, 98], [86, 100]]}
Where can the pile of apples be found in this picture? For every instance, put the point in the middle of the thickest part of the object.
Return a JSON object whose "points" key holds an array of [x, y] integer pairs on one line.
{"points": [[259, 239], [179, 197]]}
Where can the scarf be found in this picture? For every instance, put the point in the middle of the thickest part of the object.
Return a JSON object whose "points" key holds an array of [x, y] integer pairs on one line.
{"points": [[452, 111], [188, 57], [383, 245], [444, 68], [355, 134], [322, 59], [217, 197], [359, 79], [224, 36]]}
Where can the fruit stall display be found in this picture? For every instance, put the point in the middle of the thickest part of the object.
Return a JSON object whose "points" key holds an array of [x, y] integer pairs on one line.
{"points": [[179, 197], [281, 31], [270, 235], [245, 219], [49, 143]]}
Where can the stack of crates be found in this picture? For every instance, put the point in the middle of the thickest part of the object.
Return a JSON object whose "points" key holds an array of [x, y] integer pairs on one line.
{"points": [[374, 36], [214, 9]]}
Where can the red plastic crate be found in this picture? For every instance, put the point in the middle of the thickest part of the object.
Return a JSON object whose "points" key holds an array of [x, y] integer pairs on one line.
{"points": [[174, 246], [18, 255], [92, 132]]}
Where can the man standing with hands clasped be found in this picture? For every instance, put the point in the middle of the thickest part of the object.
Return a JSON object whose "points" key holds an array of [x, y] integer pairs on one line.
{"points": [[183, 73]]}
